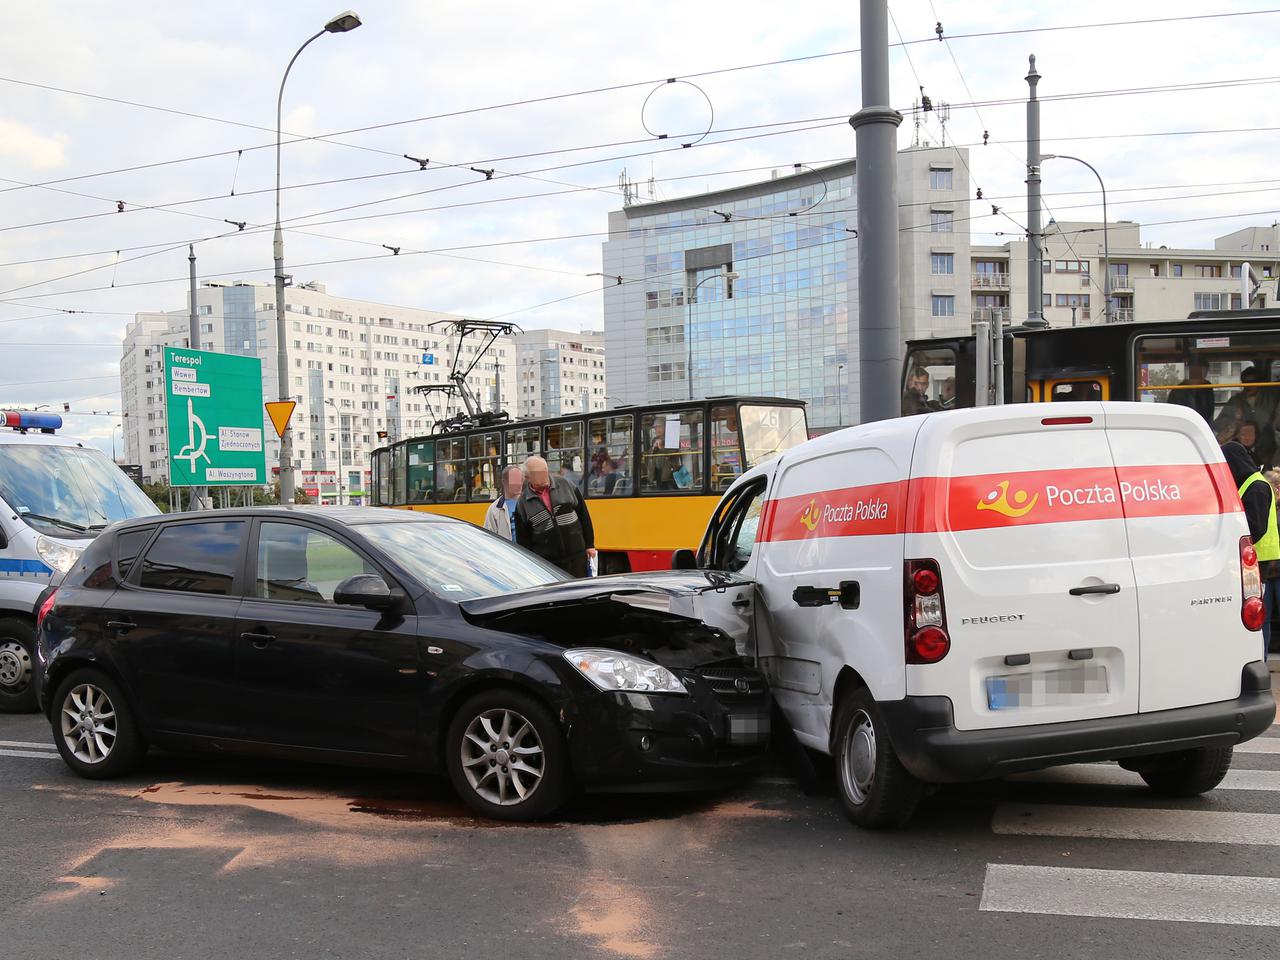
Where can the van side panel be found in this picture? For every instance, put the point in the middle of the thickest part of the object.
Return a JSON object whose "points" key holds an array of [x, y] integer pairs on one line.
{"points": [[1017, 514], [836, 512], [1185, 523]]}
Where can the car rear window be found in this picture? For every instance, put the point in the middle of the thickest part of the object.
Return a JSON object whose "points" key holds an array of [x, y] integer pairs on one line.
{"points": [[194, 557], [128, 545]]}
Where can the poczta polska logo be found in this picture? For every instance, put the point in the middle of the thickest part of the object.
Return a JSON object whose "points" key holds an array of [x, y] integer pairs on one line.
{"points": [[998, 500]]}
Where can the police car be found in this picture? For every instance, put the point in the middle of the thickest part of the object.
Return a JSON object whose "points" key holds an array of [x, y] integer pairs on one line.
{"points": [[56, 495]]}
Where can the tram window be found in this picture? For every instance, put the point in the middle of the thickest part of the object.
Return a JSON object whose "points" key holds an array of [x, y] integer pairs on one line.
{"points": [[382, 477], [671, 450], [564, 452], [485, 454], [523, 443], [422, 471], [726, 447], [930, 382], [1229, 379], [769, 431], [397, 490], [1077, 390], [609, 440], [451, 469]]}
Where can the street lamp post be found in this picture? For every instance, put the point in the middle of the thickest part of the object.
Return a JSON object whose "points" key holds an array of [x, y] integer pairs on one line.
{"points": [[342, 23], [1106, 242], [120, 427], [728, 276], [341, 469], [839, 397]]}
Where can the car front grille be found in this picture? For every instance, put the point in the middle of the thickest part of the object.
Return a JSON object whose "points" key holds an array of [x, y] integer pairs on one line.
{"points": [[734, 683]]}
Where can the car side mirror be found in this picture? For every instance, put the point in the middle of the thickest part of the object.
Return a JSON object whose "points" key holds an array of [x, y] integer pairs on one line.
{"points": [[366, 590], [684, 559]]}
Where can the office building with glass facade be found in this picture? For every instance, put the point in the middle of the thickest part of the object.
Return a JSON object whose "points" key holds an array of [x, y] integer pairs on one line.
{"points": [[753, 290]]}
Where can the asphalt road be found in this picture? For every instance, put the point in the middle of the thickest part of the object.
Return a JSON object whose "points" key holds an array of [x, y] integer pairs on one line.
{"points": [[198, 858]]}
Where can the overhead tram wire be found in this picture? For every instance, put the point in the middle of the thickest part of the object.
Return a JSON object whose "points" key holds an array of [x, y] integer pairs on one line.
{"points": [[325, 138]]}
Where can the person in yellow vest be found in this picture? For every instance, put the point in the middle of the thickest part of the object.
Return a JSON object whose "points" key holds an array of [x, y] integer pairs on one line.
{"points": [[1259, 500]]}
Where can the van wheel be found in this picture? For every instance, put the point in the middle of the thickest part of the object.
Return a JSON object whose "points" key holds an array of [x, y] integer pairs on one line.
{"points": [[1188, 774], [875, 788], [17, 677], [93, 726], [507, 758]]}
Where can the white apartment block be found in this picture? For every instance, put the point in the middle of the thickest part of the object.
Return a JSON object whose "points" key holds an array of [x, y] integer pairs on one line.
{"points": [[353, 364], [558, 372], [1147, 282]]}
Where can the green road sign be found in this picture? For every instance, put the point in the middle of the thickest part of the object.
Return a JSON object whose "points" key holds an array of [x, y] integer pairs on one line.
{"points": [[214, 405]]}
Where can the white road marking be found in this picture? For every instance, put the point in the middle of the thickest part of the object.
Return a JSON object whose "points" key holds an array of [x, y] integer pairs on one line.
{"points": [[1260, 745], [25, 744], [1122, 823], [1132, 895], [29, 753], [1110, 775]]}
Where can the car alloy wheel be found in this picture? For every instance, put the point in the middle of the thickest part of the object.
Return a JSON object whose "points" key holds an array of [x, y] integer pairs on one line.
{"points": [[858, 759], [88, 723], [15, 666], [502, 757]]}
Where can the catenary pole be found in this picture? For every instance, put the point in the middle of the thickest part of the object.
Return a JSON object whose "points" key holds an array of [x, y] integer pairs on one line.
{"points": [[1035, 253], [879, 312]]}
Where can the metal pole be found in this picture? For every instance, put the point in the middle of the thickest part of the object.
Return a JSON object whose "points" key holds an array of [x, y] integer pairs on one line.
{"points": [[982, 363], [879, 310], [1035, 252], [997, 355], [196, 496], [282, 356], [839, 402], [688, 337]]}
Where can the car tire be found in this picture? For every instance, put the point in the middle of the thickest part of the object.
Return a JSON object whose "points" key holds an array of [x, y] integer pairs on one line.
{"points": [[93, 726], [875, 789], [17, 666], [500, 725], [1188, 774]]}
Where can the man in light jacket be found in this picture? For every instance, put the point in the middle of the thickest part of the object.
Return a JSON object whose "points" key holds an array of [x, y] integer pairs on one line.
{"points": [[500, 517]]}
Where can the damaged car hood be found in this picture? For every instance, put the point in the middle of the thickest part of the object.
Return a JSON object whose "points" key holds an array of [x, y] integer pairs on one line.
{"points": [[672, 586]]}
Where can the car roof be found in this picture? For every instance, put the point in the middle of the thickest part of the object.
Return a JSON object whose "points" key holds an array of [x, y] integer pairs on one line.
{"points": [[340, 516]]}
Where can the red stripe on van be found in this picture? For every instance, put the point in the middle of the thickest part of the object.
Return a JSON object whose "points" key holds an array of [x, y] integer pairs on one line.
{"points": [[988, 501]]}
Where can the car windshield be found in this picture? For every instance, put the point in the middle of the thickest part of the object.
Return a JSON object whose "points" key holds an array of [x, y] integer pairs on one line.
{"points": [[460, 562], [67, 491]]}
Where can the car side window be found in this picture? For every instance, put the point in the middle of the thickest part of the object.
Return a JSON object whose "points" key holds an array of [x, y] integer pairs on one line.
{"points": [[128, 545], [736, 537], [194, 557], [302, 564]]}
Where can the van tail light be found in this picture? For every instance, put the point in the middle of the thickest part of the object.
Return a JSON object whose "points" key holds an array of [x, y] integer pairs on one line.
{"points": [[925, 615], [1252, 610], [45, 607]]}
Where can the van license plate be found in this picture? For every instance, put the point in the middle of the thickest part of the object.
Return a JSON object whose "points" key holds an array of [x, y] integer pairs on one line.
{"points": [[1047, 688]]}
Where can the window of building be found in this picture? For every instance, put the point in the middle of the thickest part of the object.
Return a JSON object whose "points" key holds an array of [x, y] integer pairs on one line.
{"points": [[1071, 266], [940, 179], [193, 558], [609, 441], [303, 565], [943, 264], [944, 306], [941, 221], [1208, 270], [1080, 301], [1235, 271], [671, 452], [1212, 301], [1175, 269]]}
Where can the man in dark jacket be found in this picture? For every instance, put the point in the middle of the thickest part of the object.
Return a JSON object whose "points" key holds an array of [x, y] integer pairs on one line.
{"points": [[1259, 502], [552, 520]]}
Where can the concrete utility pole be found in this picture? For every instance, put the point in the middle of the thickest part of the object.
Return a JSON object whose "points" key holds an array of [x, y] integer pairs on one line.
{"points": [[879, 310], [1035, 254], [196, 496]]}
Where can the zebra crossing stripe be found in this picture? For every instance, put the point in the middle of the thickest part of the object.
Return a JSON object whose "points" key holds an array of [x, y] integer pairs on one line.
{"points": [[25, 745], [1130, 823], [30, 754], [1132, 895], [1259, 745], [1109, 775]]}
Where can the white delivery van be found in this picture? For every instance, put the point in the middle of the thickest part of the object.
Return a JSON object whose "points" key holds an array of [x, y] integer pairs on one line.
{"points": [[964, 594], [56, 494]]}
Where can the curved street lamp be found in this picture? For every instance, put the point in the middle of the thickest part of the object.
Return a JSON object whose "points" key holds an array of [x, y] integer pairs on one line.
{"points": [[342, 23], [1106, 243], [728, 276]]}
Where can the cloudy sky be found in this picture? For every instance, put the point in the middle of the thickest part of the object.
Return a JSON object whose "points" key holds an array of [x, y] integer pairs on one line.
{"points": [[437, 80]]}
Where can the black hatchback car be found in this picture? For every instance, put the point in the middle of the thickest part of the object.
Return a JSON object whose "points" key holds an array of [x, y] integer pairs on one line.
{"points": [[391, 638]]}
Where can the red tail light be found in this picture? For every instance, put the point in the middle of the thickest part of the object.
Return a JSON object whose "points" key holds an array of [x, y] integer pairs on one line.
{"points": [[1253, 611], [925, 615], [45, 607]]}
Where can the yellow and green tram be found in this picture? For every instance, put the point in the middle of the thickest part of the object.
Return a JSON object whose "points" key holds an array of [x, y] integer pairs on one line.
{"points": [[650, 474]]}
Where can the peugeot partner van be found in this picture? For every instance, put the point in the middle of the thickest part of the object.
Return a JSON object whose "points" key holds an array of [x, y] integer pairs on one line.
{"points": [[56, 495], [965, 594]]}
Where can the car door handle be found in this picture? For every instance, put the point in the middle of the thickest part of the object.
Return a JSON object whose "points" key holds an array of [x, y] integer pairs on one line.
{"points": [[1096, 588], [123, 626], [260, 640], [742, 603]]}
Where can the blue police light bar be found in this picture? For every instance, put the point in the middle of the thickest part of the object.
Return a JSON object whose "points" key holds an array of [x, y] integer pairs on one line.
{"points": [[24, 420]]}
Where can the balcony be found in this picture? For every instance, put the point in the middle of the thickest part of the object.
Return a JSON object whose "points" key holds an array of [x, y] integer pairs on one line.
{"points": [[1122, 315], [991, 281], [991, 314], [1121, 283]]}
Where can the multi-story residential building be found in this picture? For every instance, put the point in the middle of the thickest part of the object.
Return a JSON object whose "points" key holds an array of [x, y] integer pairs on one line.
{"points": [[1147, 282], [558, 372], [753, 290], [354, 365]]}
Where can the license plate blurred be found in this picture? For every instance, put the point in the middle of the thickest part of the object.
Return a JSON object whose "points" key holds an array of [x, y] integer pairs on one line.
{"points": [[748, 728], [1047, 688]]}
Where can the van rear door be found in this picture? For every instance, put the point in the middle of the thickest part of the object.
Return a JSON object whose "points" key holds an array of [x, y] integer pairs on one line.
{"points": [[1020, 507], [1185, 523]]}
